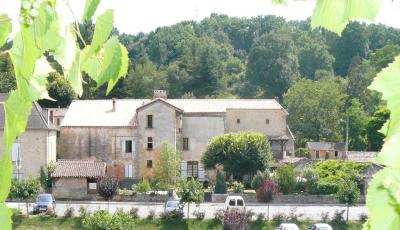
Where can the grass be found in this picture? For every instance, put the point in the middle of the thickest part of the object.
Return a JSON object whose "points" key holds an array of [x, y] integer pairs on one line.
{"points": [[61, 223]]}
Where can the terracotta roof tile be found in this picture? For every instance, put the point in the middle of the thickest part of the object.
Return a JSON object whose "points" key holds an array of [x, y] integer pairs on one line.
{"points": [[79, 168]]}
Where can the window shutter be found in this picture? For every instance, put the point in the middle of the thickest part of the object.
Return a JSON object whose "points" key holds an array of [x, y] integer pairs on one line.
{"points": [[130, 170], [183, 169], [15, 152], [201, 172], [133, 148], [126, 170], [123, 149]]}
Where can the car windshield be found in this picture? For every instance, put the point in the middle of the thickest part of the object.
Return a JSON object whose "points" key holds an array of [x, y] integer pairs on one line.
{"points": [[172, 204], [43, 199]]}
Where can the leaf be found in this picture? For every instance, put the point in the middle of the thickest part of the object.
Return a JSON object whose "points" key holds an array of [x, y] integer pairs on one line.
{"points": [[90, 9], [45, 28], [122, 71], [74, 75], [382, 204], [5, 28], [104, 25], [65, 53], [334, 15], [38, 81], [5, 175], [388, 83], [5, 216]]}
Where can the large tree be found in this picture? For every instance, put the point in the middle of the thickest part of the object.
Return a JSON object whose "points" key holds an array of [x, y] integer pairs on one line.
{"points": [[375, 123], [272, 64], [358, 120], [60, 90], [315, 109], [240, 153]]}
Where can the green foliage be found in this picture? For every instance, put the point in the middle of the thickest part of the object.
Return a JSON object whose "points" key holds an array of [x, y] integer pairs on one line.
{"points": [[311, 180], [5, 28], [314, 108], [302, 152], [142, 187], [285, 176], [60, 90], [237, 187], [358, 121], [190, 191], [90, 8], [375, 123], [384, 56], [102, 220], [258, 179], [166, 168], [220, 184], [240, 153], [348, 192], [24, 189]]}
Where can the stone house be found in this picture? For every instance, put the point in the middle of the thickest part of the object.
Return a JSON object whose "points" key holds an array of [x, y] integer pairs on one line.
{"points": [[326, 150], [36, 147], [76, 179], [130, 131], [55, 115]]}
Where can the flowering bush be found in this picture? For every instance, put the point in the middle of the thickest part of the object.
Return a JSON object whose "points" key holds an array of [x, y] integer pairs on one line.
{"points": [[267, 190], [235, 219]]}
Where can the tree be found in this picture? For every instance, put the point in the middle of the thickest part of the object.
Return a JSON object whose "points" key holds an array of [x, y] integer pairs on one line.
{"points": [[220, 184], [315, 110], [60, 90], [166, 168], [382, 57], [272, 64], [45, 176], [108, 186], [25, 190], [348, 193], [258, 179], [358, 121], [267, 190], [240, 153], [286, 178], [375, 123], [190, 191]]}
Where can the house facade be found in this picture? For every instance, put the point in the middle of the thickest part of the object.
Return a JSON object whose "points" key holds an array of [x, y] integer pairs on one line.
{"points": [[131, 131], [326, 150], [36, 147]]}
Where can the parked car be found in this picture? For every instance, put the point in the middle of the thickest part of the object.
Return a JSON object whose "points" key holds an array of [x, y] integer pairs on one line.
{"points": [[172, 206], [287, 226], [234, 202], [320, 226], [43, 203]]}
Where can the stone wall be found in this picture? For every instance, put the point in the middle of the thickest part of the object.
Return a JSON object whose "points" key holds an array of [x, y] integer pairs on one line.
{"points": [[286, 199], [70, 188]]}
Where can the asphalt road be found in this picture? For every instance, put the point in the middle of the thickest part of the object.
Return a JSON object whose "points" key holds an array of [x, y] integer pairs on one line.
{"points": [[312, 212]]}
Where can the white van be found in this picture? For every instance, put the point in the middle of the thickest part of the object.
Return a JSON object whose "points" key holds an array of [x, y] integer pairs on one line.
{"points": [[234, 202]]}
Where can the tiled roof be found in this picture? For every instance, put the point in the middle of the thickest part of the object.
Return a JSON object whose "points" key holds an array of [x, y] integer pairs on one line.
{"points": [[79, 168], [325, 146], [36, 119], [100, 113], [361, 157]]}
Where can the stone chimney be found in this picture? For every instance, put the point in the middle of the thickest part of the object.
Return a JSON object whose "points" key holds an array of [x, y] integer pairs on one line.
{"points": [[158, 93], [114, 104]]}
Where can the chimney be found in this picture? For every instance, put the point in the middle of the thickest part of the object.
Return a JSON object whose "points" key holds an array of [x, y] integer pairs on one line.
{"points": [[158, 93], [114, 102]]}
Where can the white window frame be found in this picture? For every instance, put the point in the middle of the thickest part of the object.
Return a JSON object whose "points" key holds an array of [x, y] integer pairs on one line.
{"points": [[128, 170]]}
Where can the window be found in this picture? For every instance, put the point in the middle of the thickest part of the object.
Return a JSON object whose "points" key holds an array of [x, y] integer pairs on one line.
{"points": [[239, 202], [58, 121], [317, 154], [51, 116], [128, 170], [192, 169], [267, 121], [238, 121], [149, 121], [149, 164], [336, 154], [149, 143], [128, 146], [185, 143], [232, 202]]}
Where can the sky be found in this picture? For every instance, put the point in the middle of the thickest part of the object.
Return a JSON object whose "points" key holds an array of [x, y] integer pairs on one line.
{"points": [[132, 16]]}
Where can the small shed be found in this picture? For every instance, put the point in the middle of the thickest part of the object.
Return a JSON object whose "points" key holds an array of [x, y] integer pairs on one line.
{"points": [[75, 179], [326, 150]]}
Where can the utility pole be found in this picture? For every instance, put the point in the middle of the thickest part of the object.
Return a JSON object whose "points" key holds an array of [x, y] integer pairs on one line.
{"points": [[347, 138]]}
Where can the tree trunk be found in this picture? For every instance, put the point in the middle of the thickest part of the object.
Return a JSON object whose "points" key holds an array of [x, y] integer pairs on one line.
{"points": [[347, 218], [27, 209], [268, 212], [188, 210]]}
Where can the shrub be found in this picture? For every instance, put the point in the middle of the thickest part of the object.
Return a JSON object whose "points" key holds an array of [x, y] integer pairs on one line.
{"points": [[311, 181], [235, 219], [279, 217], [348, 193], [125, 192], [199, 214], [120, 220], [338, 216], [50, 212], [151, 215], [250, 214], [108, 187], [220, 184], [103, 220], [237, 187], [267, 191], [260, 216], [69, 212], [143, 187], [302, 152], [83, 211], [293, 216], [324, 216], [363, 217], [134, 212], [258, 179], [219, 215], [171, 215], [286, 178]]}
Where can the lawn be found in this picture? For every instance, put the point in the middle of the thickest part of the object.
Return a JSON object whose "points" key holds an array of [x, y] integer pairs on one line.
{"points": [[58, 223]]}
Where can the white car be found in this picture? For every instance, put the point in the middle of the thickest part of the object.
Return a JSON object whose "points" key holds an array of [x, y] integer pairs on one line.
{"points": [[320, 226], [234, 202], [172, 205], [287, 226]]}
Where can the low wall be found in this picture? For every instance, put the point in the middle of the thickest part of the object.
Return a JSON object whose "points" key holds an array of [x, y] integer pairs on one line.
{"points": [[149, 197], [286, 199]]}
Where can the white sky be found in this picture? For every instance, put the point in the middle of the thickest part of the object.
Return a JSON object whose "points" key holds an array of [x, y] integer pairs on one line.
{"points": [[132, 16]]}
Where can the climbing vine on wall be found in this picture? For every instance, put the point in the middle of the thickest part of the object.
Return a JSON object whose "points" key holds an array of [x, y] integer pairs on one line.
{"points": [[43, 33]]}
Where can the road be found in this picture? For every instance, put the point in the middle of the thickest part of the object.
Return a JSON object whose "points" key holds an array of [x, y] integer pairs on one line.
{"points": [[312, 212]]}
